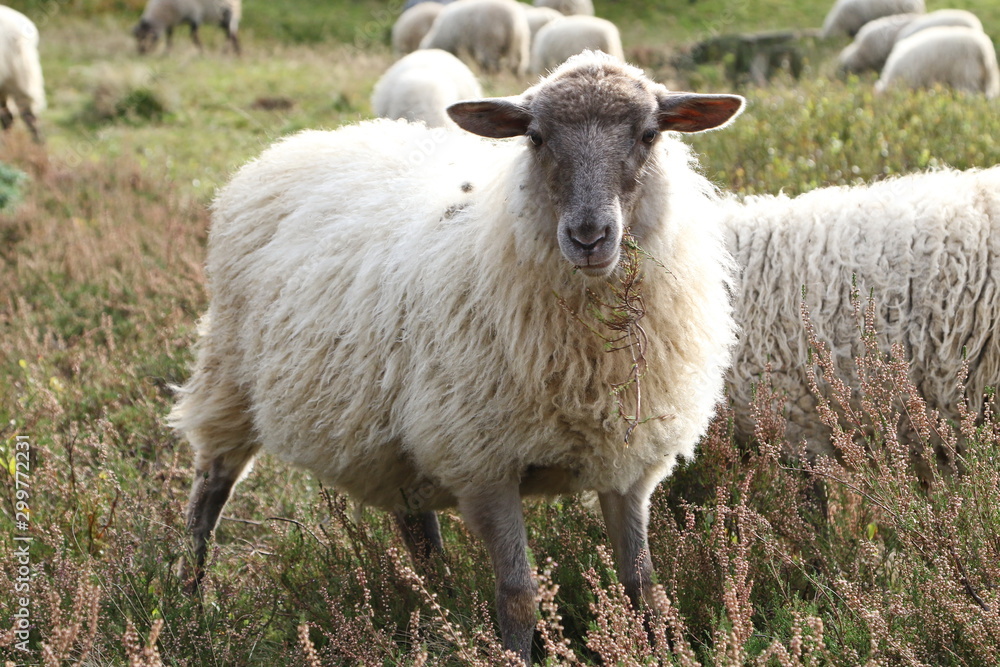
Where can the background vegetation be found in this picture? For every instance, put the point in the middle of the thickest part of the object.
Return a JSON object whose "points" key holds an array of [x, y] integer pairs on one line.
{"points": [[101, 249]]}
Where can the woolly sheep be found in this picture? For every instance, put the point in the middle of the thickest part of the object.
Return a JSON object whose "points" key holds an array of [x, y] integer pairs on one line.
{"points": [[412, 25], [162, 16], [394, 326], [492, 33], [927, 245], [422, 85], [872, 44], [959, 57], [847, 16], [569, 7], [538, 17], [942, 17], [565, 37], [21, 79], [414, 3]]}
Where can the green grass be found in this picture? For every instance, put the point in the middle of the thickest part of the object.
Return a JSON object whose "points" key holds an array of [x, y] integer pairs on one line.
{"points": [[101, 266]]}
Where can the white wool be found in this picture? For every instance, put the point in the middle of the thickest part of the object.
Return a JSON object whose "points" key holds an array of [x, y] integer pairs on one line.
{"points": [[927, 245], [422, 85], [412, 25], [569, 7], [494, 34], [847, 16], [872, 44], [21, 80], [959, 57], [565, 37], [386, 312], [538, 17], [164, 14], [942, 17]]}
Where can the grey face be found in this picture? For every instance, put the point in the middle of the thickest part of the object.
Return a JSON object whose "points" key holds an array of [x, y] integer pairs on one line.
{"points": [[591, 133]]}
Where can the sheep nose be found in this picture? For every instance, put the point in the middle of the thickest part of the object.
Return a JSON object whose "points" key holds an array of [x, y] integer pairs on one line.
{"points": [[587, 240]]}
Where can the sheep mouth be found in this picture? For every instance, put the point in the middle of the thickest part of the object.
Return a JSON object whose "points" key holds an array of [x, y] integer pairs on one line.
{"points": [[601, 268]]}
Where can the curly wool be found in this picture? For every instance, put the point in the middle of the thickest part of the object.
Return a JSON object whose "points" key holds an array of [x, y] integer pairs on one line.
{"points": [[393, 324], [928, 247]]}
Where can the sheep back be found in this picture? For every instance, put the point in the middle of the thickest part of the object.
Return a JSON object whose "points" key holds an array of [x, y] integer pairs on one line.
{"points": [[538, 17], [874, 42], [494, 34], [393, 324], [20, 68], [422, 85], [959, 57], [928, 247], [847, 16], [163, 14], [412, 25], [565, 37], [569, 7], [942, 17]]}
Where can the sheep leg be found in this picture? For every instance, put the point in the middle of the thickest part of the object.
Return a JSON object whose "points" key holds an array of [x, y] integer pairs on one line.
{"points": [[495, 515], [6, 117], [30, 120], [626, 517], [421, 534], [194, 36]]}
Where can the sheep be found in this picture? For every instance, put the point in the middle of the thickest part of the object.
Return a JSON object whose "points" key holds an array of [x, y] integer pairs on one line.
{"points": [[567, 36], [21, 80], [412, 25], [411, 331], [413, 3], [925, 244], [955, 56], [538, 17], [162, 16], [569, 7], [493, 33], [421, 85], [847, 16], [872, 44]]}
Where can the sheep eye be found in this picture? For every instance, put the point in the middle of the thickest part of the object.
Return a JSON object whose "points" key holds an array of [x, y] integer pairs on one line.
{"points": [[534, 137], [648, 136]]}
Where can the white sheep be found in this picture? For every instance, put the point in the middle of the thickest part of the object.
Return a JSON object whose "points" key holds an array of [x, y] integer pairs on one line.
{"points": [[942, 17], [538, 17], [161, 17], [558, 40], [494, 34], [21, 81], [412, 25], [410, 331], [927, 245], [569, 7], [873, 43], [847, 16], [959, 57], [422, 85]]}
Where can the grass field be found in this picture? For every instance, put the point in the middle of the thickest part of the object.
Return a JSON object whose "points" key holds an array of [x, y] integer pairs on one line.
{"points": [[101, 284]]}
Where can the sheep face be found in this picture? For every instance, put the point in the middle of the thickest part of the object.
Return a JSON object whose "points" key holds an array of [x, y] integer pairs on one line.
{"points": [[145, 35], [591, 135]]}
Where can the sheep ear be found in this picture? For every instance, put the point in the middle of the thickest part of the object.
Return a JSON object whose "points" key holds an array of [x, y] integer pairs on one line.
{"points": [[693, 112], [496, 118]]}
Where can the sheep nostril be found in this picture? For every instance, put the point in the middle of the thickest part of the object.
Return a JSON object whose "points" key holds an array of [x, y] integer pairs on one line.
{"points": [[588, 242]]}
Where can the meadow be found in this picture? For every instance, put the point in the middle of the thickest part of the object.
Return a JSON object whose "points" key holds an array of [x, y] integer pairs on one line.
{"points": [[102, 240]]}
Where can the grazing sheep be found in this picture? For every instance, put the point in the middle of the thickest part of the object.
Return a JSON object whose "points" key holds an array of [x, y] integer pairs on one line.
{"points": [[569, 7], [492, 33], [959, 57], [162, 16], [942, 17], [570, 35], [847, 16], [538, 17], [412, 333], [21, 79], [422, 85], [412, 25], [927, 245], [872, 44]]}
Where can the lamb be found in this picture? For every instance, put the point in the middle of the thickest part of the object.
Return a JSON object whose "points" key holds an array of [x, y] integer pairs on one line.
{"points": [[569, 7], [412, 25], [874, 42], [492, 33], [411, 333], [422, 85], [847, 16], [162, 16], [538, 17], [959, 57], [565, 37], [21, 81], [927, 244]]}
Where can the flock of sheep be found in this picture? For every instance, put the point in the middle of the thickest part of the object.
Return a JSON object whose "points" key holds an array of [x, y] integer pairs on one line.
{"points": [[411, 329]]}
